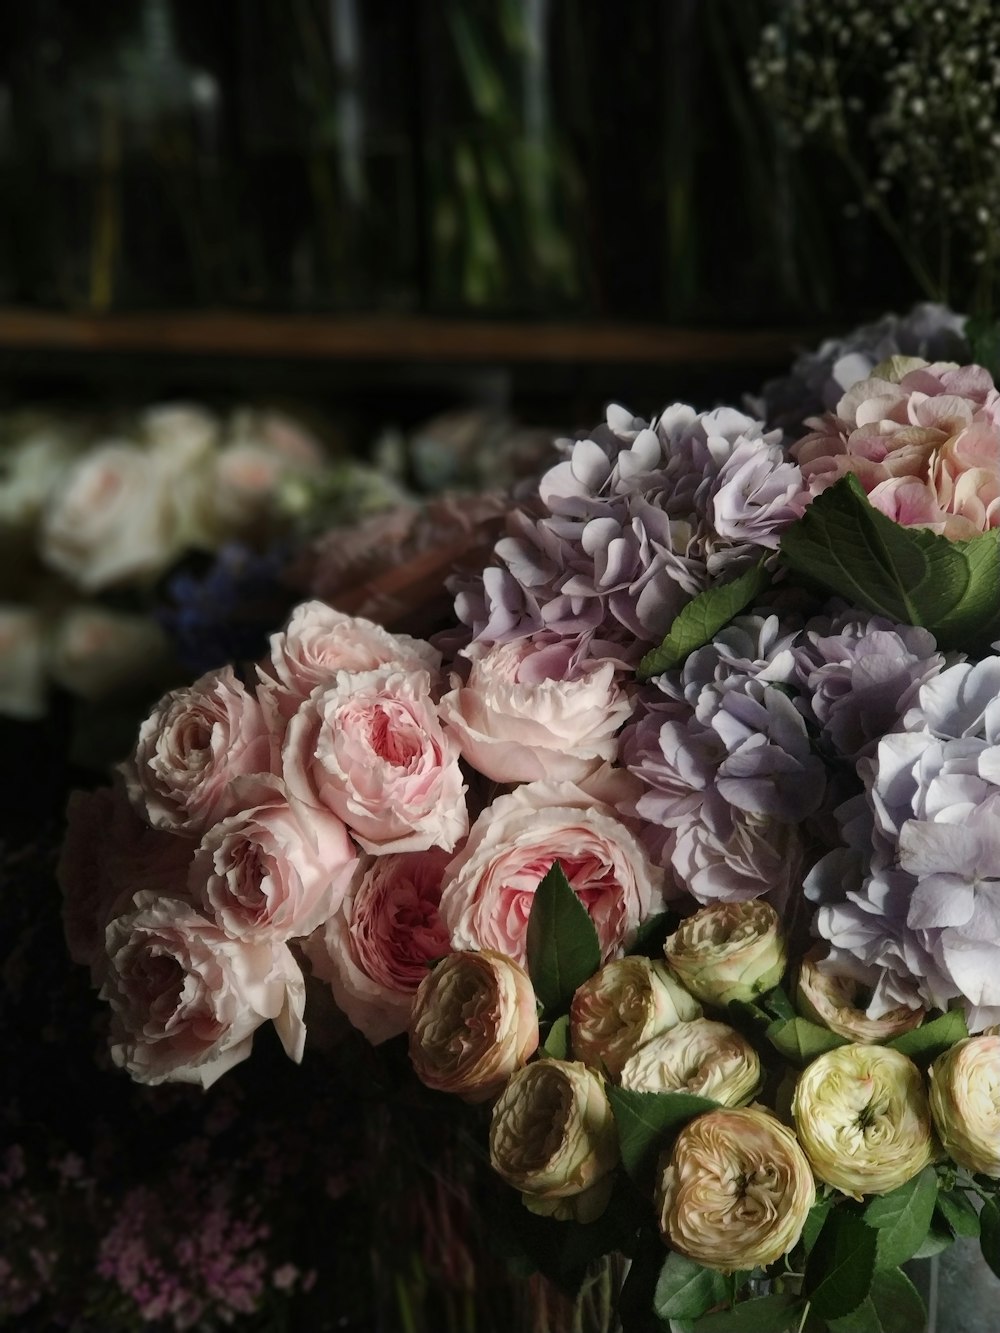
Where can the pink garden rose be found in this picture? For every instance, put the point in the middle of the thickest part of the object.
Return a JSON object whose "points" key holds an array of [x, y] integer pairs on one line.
{"points": [[186, 999], [108, 854], [375, 950], [489, 886], [923, 440], [191, 750], [318, 642], [274, 871], [371, 748], [532, 710]]}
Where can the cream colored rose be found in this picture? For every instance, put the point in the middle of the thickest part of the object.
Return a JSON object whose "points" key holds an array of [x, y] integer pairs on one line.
{"points": [[475, 1021], [728, 951], [553, 1137], [861, 1114], [965, 1103], [23, 652], [624, 1005], [736, 1192], [530, 712], [96, 651], [701, 1057], [31, 468], [838, 1002]]}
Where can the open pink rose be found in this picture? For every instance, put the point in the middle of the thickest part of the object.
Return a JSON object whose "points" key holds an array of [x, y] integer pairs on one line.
{"points": [[531, 710], [191, 749], [319, 642], [375, 950], [186, 999], [371, 749], [490, 885], [274, 871], [108, 855]]}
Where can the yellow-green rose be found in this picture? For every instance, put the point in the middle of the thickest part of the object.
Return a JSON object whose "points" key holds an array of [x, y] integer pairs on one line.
{"points": [[623, 1006], [965, 1103], [701, 1057], [838, 1002], [553, 1137], [474, 1021], [737, 1190], [862, 1116], [728, 951]]}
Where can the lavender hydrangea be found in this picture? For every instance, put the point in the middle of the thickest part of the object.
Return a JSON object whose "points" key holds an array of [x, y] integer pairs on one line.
{"points": [[818, 379], [635, 521], [920, 906]]}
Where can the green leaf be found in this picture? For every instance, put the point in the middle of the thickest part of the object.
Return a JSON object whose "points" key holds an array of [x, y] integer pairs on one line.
{"points": [[651, 934], [815, 1221], [939, 1238], [840, 1268], [762, 1314], [646, 1119], [907, 574], [556, 1044], [563, 948], [702, 618], [932, 1039], [777, 1003], [989, 1235], [956, 1210], [685, 1290], [892, 1306], [902, 1218], [800, 1041]]}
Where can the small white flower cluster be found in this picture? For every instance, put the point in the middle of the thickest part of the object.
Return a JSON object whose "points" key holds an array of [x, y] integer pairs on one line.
{"points": [[909, 97]]}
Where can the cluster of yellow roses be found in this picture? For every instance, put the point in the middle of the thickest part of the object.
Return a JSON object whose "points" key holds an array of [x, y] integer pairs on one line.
{"points": [[735, 1189]]}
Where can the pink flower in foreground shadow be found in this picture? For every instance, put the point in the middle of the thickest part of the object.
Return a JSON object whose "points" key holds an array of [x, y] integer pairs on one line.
{"points": [[490, 885], [372, 749], [375, 950], [192, 748], [186, 999]]}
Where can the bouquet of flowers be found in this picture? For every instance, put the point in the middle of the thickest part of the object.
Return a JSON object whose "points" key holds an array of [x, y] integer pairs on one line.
{"points": [[674, 856]]}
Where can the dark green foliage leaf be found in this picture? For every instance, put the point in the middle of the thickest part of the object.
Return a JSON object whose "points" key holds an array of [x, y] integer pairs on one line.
{"points": [[563, 948], [903, 1218], [762, 1314], [556, 1044], [702, 618], [932, 1039], [956, 1211], [685, 1290], [989, 1236], [645, 1122], [777, 1003], [650, 936], [892, 1306], [800, 1041], [840, 1268], [937, 1239], [908, 574], [815, 1222]]}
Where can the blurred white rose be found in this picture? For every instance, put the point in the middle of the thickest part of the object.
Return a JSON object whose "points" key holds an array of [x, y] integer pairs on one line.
{"points": [[96, 651], [28, 472], [22, 663]]}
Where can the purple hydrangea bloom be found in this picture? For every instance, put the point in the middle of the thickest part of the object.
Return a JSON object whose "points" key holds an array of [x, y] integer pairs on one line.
{"points": [[819, 379], [925, 917], [635, 521]]}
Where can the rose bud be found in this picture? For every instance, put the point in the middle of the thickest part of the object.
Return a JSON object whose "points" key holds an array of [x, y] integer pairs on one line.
{"points": [[965, 1103], [728, 951], [475, 1021], [627, 1003], [861, 1114], [553, 1137], [838, 1002], [736, 1192], [701, 1057]]}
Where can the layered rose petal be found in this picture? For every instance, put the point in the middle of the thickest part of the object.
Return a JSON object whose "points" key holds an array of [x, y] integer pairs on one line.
{"points": [[965, 1103], [729, 951], [699, 1057], [624, 1005]]}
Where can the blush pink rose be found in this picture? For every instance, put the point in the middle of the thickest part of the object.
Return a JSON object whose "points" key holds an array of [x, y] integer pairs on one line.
{"points": [[275, 871], [191, 750], [319, 642], [372, 749], [108, 854], [530, 711], [186, 999], [490, 885], [374, 951]]}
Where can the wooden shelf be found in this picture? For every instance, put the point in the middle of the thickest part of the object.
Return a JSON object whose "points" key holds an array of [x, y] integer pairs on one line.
{"points": [[374, 338]]}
